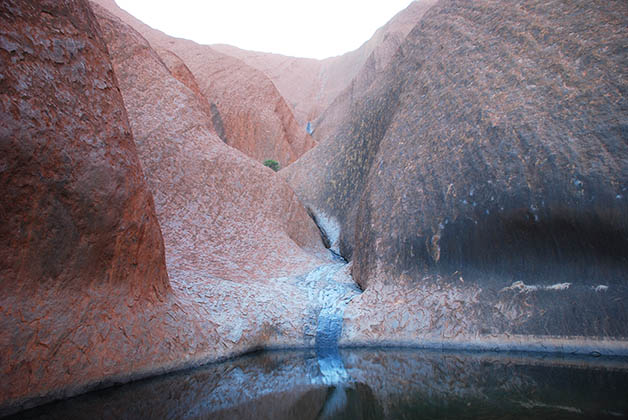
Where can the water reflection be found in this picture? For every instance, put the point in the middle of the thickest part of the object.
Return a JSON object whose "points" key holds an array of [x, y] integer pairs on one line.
{"points": [[392, 384]]}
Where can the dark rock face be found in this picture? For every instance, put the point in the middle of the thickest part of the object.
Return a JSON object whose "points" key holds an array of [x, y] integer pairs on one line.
{"points": [[491, 161], [78, 229], [219, 125], [71, 178], [523, 161]]}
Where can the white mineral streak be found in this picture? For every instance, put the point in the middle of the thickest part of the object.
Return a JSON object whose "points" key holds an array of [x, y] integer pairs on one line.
{"points": [[331, 228], [522, 287]]}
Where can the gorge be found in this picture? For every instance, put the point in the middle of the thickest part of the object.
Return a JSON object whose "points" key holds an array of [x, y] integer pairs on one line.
{"points": [[463, 186]]}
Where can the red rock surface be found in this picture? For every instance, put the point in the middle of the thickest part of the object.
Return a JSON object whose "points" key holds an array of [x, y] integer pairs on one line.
{"points": [[180, 71], [79, 235], [84, 295], [311, 86], [255, 117], [221, 212], [299, 80]]}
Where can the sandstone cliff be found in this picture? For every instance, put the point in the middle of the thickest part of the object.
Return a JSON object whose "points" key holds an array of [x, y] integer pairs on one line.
{"points": [[79, 238], [221, 212], [481, 182], [254, 117], [85, 300], [311, 86]]}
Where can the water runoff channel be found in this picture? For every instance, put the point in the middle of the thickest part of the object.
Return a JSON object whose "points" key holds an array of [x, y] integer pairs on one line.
{"points": [[329, 292]]}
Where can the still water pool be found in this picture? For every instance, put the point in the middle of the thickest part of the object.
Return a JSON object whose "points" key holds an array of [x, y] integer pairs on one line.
{"points": [[367, 384]]}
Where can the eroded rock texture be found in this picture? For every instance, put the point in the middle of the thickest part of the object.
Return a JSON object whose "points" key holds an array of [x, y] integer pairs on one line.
{"points": [[221, 212], [247, 110], [481, 182], [79, 234], [85, 300]]}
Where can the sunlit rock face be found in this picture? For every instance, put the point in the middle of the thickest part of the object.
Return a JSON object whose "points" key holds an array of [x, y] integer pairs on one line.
{"points": [[303, 82], [321, 91], [79, 238], [481, 182], [221, 212], [254, 117]]}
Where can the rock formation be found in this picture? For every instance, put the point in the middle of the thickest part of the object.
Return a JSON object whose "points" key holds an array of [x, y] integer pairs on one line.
{"points": [[85, 300], [311, 86], [382, 48], [221, 212], [299, 80], [79, 237], [254, 117], [479, 186]]}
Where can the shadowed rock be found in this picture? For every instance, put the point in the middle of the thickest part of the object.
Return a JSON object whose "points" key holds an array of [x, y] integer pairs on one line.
{"points": [[488, 168]]}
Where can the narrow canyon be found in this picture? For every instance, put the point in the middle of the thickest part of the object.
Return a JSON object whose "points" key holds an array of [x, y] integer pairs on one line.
{"points": [[458, 182]]}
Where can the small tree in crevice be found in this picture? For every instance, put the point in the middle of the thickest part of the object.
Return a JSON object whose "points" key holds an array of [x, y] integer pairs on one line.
{"points": [[272, 164]]}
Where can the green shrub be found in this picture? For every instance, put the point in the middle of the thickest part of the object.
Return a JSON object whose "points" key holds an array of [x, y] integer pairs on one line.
{"points": [[272, 164]]}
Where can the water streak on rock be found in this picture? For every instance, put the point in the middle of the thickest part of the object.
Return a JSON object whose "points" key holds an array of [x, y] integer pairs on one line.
{"points": [[329, 295]]}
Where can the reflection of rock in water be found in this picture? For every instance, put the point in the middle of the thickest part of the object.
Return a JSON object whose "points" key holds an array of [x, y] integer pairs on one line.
{"points": [[382, 385], [301, 404], [431, 385], [355, 401]]}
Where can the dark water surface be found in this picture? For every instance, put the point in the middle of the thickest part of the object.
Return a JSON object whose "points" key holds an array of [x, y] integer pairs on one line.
{"points": [[367, 384]]}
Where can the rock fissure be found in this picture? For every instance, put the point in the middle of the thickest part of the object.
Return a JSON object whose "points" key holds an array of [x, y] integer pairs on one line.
{"points": [[329, 235]]}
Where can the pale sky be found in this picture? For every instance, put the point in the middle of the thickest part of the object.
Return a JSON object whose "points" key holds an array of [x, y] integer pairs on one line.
{"points": [[316, 29]]}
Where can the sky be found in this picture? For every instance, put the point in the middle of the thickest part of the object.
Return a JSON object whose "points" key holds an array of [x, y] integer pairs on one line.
{"points": [[315, 29]]}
